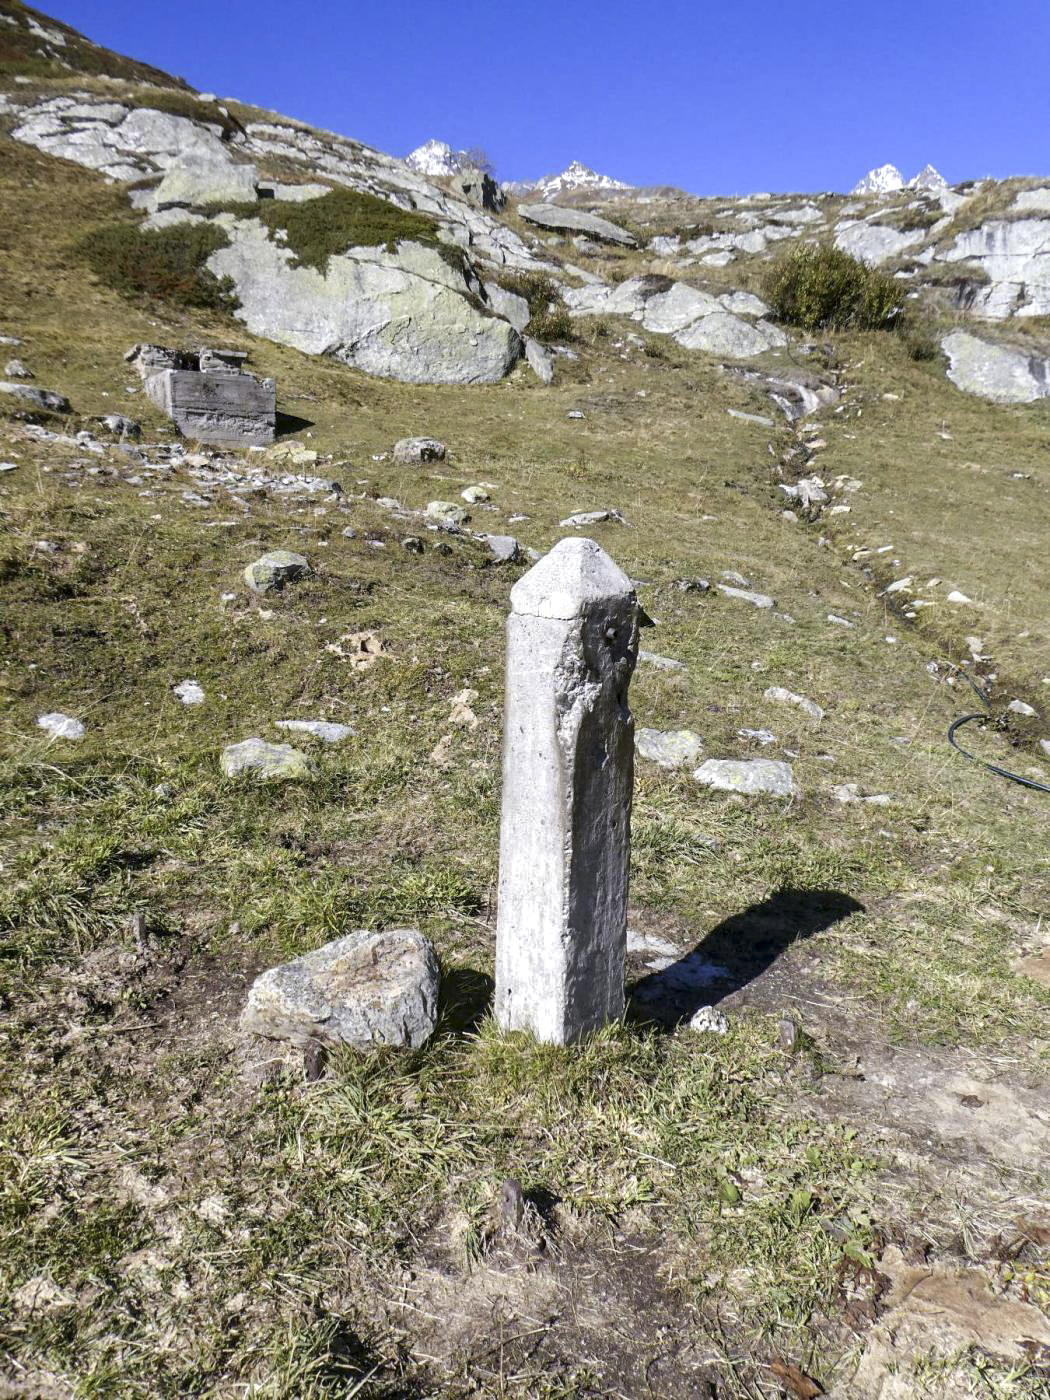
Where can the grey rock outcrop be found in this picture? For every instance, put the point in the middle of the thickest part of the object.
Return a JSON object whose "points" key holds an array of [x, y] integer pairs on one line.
{"points": [[509, 305], [401, 315], [478, 189], [874, 244], [207, 395], [695, 319], [565, 220], [1014, 255], [200, 179], [540, 361], [366, 990], [997, 372], [37, 398]]}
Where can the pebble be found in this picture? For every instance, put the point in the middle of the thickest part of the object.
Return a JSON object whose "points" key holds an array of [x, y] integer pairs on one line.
{"points": [[189, 692], [709, 1018]]}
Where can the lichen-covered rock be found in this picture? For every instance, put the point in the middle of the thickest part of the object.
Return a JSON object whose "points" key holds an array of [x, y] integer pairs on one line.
{"points": [[275, 569], [419, 449], [199, 179], [262, 760], [403, 315], [367, 990], [447, 512], [672, 748], [770, 776], [997, 372]]}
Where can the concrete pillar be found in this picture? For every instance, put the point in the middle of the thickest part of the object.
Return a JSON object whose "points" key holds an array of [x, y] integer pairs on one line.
{"points": [[568, 778]]}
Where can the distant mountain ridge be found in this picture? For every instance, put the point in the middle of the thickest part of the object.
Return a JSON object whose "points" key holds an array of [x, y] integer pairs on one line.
{"points": [[575, 176]]}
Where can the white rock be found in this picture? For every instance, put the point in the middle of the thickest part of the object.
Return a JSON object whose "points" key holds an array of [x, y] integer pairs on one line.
{"points": [[956, 597], [709, 1018], [1019, 707], [757, 600], [324, 729], [189, 692], [780, 695], [61, 726]]}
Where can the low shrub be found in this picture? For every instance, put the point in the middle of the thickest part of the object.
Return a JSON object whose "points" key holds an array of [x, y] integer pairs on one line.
{"points": [[549, 317], [823, 288], [166, 264]]}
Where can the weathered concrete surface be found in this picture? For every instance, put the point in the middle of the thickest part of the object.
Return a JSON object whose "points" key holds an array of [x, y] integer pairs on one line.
{"points": [[366, 990], [568, 774], [230, 408]]}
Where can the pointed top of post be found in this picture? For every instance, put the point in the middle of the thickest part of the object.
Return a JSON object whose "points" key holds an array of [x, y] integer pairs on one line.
{"points": [[576, 574]]}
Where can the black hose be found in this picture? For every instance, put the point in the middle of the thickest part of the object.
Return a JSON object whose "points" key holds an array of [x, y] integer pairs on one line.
{"points": [[968, 719]]}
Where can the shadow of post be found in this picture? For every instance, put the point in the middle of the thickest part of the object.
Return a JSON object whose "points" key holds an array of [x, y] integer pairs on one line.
{"points": [[735, 952]]}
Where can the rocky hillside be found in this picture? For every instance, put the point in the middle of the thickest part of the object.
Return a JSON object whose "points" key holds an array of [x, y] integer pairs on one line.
{"points": [[251, 702]]}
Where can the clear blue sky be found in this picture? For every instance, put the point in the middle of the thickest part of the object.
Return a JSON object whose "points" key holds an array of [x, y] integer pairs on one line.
{"points": [[734, 96]]}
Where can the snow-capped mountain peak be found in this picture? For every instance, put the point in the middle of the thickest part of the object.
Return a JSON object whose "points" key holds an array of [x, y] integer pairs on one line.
{"points": [[575, 176], [436, 158], [882, 180], [928, 178]]}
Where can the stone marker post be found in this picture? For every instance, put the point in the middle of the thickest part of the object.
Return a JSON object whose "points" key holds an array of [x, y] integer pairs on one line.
{"points": [[568, 778]]}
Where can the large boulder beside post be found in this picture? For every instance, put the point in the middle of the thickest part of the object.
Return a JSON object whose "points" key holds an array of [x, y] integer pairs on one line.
{"points": [[366, 989]]}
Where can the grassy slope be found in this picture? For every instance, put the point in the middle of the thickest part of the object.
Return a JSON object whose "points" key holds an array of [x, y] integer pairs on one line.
{"points": [[206, 1221]]}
